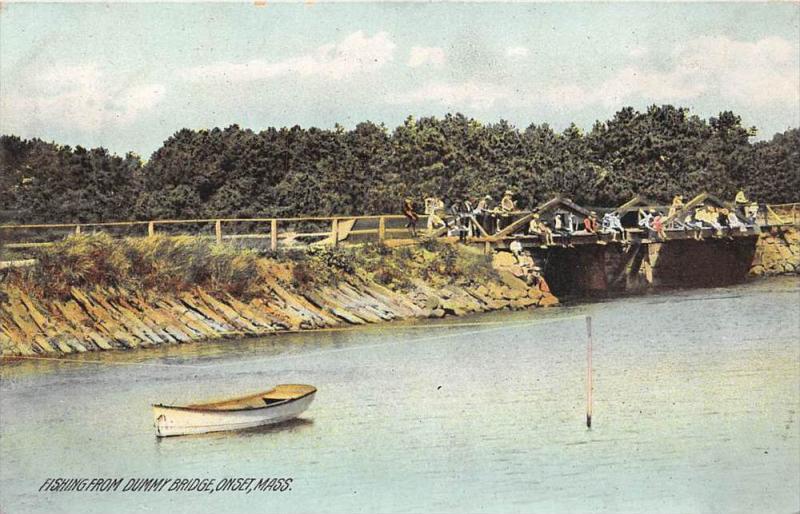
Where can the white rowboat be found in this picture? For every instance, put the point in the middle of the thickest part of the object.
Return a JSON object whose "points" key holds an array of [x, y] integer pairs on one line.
{"points": [[281, 403]]}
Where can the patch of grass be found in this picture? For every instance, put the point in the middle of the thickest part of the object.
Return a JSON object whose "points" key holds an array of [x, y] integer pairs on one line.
{"points": [[166, 264], [160, 263]]}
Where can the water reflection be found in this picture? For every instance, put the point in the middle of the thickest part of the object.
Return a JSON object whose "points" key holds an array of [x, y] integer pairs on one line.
{"points": [[696, 402], [293, 426]]}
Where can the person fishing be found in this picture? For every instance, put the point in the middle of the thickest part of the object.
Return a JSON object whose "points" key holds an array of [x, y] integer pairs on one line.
{"points": [[563, 228], [677, 205], [483, 210], [590, 223], [433, 206], [613, 225], [411, 215], [506, 208]]}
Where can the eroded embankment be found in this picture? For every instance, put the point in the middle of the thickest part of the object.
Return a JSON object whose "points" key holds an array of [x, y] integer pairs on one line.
{"points": [[92, 311], [777, 252]]}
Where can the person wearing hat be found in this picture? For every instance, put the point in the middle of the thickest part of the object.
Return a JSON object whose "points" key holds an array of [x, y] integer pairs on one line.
{"points": [[506, 208], [538, 279], [433, 208], [411, 215], [677, 205], [538, 227], [507, 203], [482, 210]]}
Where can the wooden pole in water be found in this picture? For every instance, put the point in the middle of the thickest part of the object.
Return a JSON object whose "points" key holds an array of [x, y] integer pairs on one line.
{"points": [[589, 372]]}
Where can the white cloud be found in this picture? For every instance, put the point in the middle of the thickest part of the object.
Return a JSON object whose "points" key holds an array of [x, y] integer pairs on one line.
{"points": [[477, 95], [638, 51], [421, 55], [762, 72], [517, 52], [80, 96], [356, 53], [729, 72]]}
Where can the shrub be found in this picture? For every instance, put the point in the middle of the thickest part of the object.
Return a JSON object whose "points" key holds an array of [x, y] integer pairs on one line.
{"points": [[160, 263]]}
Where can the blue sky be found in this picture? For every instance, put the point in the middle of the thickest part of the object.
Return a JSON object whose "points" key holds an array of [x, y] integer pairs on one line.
{"points": [[127, 76]]}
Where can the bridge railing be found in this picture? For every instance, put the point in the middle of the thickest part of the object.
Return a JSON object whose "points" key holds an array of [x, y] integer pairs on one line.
{"points": [[275, 233], [782, 214], [272, 233]]}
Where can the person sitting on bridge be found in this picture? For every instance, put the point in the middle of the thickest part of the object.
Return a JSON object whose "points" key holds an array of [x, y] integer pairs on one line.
{"points": [[645, 219], [735, 223], [411, 215], [657, 225], [722, 219], [590, 223], [538, 227], [708, 216], [689, 222], [677, 205], [612, 224], [751, 214]]}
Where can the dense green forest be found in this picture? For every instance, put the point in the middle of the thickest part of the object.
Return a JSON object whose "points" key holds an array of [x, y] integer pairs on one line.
{"points": [[235, 172]]}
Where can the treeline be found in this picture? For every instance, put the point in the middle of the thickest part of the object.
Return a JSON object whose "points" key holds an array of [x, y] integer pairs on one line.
{"points": [[235, 172]]}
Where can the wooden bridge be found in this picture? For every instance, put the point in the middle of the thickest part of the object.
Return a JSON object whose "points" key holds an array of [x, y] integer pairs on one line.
{"points": [[492, 229]]}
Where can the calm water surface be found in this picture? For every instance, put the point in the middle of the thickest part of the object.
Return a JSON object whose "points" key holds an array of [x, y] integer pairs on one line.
{"points": [[696, 410]]}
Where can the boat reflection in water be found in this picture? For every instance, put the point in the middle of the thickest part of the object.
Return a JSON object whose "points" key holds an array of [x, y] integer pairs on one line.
{"points": [[277, 405]]}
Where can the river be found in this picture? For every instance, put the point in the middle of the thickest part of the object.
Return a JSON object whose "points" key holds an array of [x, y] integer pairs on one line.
{"points": [[696, 399]]}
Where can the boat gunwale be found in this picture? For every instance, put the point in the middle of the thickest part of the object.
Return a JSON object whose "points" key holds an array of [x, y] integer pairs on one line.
{"points": [[266, 406]]}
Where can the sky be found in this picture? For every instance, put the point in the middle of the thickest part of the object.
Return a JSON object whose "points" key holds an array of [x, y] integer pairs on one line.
{"points": [[128, 76]]}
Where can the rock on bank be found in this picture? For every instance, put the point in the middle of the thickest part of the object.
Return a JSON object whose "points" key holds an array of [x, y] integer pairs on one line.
{"points": [[103, 317], [777, 252]]}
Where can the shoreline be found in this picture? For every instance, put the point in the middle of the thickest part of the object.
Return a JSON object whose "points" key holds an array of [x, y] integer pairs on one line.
{"points": [[327, 291], [146, 353]]}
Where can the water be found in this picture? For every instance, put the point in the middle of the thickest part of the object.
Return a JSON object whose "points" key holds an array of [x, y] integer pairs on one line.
{"points": [[696, 410]]}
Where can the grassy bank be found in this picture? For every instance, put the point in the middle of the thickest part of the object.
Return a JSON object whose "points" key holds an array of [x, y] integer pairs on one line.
{"points": [[163, 264], [91, 292]]}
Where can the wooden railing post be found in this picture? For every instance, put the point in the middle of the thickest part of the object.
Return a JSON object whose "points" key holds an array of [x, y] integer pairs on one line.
{"points": [[273, 235], [77, 230], [151, 229], [218, 231], [335, 231], [381, 228]]}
